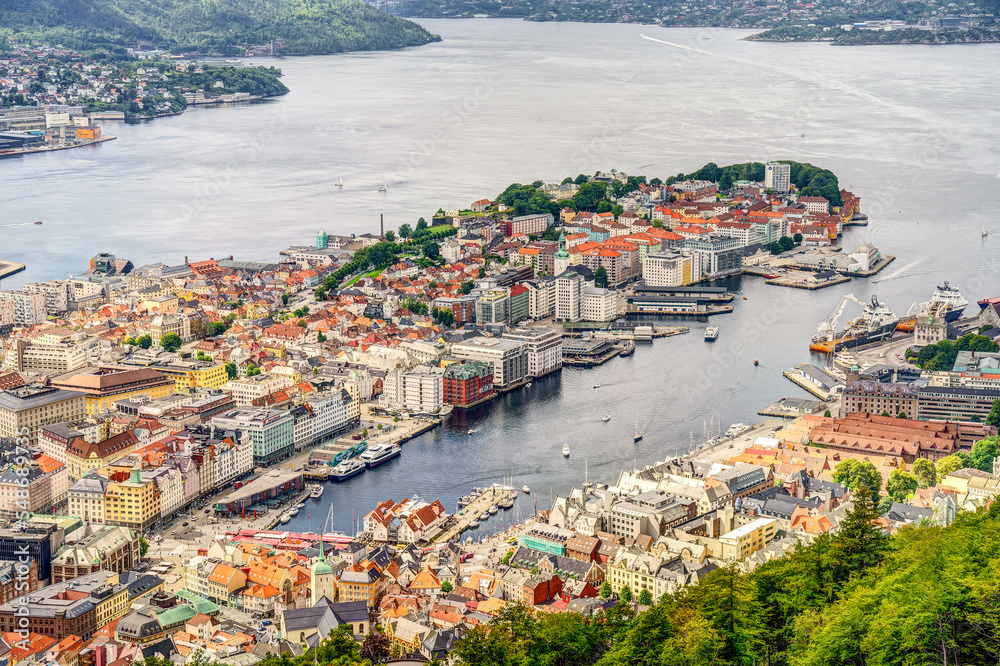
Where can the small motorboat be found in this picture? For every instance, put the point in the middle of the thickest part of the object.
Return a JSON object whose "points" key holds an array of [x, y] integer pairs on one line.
{"points": [[528, 385], [285, 518], [597, 386], [471, 431], [526, 490], [39, 222], [293, 512], [744, 298], [493, 510], [565, 450], [606, 418], [756, 362]]}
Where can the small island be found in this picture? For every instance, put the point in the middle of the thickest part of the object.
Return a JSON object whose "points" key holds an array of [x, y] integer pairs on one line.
{"points": [[876, 33]]}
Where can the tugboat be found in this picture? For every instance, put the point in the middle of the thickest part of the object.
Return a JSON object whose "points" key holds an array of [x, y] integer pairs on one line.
{"points": [[628, 348]]}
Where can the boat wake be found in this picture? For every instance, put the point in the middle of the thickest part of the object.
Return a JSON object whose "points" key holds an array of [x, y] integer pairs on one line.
{"points": [[16, 224], [899, 273]]}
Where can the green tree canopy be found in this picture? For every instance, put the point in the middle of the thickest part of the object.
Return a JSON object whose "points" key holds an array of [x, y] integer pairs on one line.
{"points": [[856, 474]]}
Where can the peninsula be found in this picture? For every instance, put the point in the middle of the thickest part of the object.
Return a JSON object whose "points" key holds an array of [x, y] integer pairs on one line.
{"points": [[286, 27], [159, 424]]}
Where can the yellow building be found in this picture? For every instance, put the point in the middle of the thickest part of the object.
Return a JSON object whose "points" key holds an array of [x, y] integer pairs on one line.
{"points": [[112, 602], [104, 386], [744, 541], [131, 502], [165, 303], [189, 375], [359, 584], [83, 457]]}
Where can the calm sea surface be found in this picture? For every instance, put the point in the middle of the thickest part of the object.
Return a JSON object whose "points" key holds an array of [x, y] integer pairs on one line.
{"points": [[912, 129]]}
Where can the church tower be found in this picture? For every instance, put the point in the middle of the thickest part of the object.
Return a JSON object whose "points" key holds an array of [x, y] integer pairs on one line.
{"points": [[560, 260], [323, 581]]}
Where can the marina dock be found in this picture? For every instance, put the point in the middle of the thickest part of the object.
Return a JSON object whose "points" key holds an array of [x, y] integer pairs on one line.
{"points": [[474, 511]]}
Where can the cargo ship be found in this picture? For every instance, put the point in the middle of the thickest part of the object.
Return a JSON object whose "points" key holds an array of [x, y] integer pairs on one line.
{"points": [[987, 302], [875, 324]]}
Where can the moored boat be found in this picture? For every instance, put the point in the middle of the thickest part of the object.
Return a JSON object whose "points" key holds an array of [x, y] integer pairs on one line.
{"points": [[347, 470], [316, 492], [285, 518], [380, 455]]}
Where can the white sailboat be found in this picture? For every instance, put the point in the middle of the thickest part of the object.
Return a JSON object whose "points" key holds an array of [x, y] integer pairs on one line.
{"points": [[383, 188], [340, 183], [638, 433]]}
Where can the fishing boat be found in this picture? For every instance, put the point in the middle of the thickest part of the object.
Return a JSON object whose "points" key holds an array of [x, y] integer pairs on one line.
{"points": [[606, 418], [526, 490], [565, 450], [316, 492]]}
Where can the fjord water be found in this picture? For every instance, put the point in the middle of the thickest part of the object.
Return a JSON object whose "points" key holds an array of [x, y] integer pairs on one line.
{"points": [[912, 129]]}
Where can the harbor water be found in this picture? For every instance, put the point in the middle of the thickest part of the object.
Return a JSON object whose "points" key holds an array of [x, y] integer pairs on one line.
{"points": [[911, 131]]}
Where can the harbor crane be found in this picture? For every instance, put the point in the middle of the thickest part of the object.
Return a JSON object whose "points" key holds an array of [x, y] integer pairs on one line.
{"points": [[829, 327]]}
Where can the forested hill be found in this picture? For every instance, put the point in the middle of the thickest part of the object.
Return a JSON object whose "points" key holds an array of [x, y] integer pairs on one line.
{"points": [[306, 27]]}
